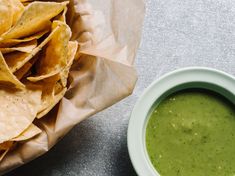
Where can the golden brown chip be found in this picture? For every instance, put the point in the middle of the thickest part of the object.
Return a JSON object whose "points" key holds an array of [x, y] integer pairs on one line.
{"points": [[18, 9], [26, 1], [30, 132], [17, 60], [20, 109], [6, 76], [55, 55], [56, 93], [73, 45], [6, 15], [34, 18], [23, 71], [36, 55], [62, 16], [58, 87], [48, 86], [56, 100], [26, 47], [13, 42]]}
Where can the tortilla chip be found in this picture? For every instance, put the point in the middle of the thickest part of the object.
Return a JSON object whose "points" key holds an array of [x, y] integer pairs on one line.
{"points": [[18, 111], [6, 76], [73, 45], [55, 54], [58, 87], [13, 42], [26, 47], [56, 100], [30, 132], [62, 16], [47, 98], [6, 16], [23, 71], [34, 18], [47, 91], [26, 0], [26, 3], [18, 9], [56, 91], [16, 60]]}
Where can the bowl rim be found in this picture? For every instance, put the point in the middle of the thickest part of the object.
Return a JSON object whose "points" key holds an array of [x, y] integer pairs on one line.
{"points": [[137, 124]]}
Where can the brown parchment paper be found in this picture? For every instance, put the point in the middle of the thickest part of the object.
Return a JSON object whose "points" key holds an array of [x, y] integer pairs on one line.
{"points": [[108, 32]]}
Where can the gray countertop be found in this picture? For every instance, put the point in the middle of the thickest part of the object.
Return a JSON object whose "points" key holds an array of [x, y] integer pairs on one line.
{"points": [[177, 33]]}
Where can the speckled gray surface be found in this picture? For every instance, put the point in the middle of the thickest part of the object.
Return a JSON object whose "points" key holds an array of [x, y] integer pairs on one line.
{"points": [[177, 33]]}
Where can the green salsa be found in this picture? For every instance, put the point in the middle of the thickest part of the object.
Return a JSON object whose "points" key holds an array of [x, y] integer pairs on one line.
{"points": [[192, 133]]}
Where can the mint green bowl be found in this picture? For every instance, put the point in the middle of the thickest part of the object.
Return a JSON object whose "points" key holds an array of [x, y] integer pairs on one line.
{"points": [[192, 77]]}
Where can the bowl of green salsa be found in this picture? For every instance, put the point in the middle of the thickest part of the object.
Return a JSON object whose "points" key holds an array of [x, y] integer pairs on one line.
{"points": [[184, 124]]}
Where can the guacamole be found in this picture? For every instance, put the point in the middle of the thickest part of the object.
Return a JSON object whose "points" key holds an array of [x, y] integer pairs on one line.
{"points": [[192, 133]]}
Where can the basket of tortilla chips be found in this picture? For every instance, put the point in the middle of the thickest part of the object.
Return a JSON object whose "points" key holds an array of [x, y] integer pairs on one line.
{"points": [[60, 62]]}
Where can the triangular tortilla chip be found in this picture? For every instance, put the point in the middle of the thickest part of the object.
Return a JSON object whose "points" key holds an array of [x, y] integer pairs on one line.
{"points": [[73, 45], [56, 100], [6, 15], [34, 18], [47, 91], [58, 87], [26, 47], [55, 55], [47, 97], [7, 76], [16, 60], [18, 111], [18, 9], [62, 16], [13, 42], [23, 71], [30, 132], [58, 91]]}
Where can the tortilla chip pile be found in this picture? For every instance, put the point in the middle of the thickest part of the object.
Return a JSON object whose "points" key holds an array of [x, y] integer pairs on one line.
{"points": [[35, 57]]}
